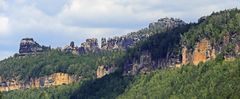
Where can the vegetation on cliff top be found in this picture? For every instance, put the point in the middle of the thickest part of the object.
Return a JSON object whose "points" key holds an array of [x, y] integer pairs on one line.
{"points": [[214, 28], [56, 61], [213, 79]]}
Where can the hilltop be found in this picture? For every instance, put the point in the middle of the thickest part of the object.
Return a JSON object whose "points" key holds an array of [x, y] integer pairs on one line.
{"points": [[168, 59]]}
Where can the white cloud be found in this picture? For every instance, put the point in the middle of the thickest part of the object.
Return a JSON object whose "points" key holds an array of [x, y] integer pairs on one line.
{"points": [[4, 25], [81, 19], [3, 5]]}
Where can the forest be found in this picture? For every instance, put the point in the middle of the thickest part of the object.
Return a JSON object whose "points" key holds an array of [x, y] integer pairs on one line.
{"points": [[215, 78]]}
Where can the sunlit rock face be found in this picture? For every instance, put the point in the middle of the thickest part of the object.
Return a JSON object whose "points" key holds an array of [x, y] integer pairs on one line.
{"points": [[29, 46], [104, 70], [46, 81], [101, 71], [202, 52], [185, 55]]}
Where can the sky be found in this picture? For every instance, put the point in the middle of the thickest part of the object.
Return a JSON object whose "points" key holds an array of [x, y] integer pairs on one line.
{"points": [[58, 22]]}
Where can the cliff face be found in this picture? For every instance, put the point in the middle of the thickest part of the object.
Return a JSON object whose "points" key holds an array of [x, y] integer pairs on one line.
{"points": [[145, 64], [46, 81], [160, 50], [104, 70], [29, 46], [202, 52]]}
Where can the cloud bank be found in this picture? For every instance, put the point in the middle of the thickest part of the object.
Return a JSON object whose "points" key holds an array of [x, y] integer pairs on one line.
{"points": [[57, 22]]}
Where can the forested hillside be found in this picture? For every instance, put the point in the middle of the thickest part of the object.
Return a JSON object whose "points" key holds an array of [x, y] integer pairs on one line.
{"points": [[31, 66], [216, 77]]}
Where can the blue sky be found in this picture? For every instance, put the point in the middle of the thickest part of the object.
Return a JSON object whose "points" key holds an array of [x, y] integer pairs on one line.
{"points": [[57, 22]]}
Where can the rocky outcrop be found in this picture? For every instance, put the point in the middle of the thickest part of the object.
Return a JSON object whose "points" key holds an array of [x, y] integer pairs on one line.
{"points": [[145, 64], [202, 52], [71, 49], [29, 46], [185, 59], [104, 70], [101, 71], [129, 40], [90, 46], [46, 81]]}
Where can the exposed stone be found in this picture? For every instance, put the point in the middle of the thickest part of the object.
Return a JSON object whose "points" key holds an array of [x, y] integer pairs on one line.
{"points": [[201, 52], [91, 45], [71, 48], [101, 71], [146, 64], [46, 81], [129, 40], [29, 46], [185, 59], [104, 70], [237, 48]]}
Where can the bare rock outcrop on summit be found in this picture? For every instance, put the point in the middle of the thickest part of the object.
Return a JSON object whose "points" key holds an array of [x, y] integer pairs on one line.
{"points": [[129, 40], [29, 46]]}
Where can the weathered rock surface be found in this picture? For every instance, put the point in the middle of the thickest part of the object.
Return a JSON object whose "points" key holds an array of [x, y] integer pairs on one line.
{"points": [[71, 49], [89, 46], [29, 46], [104, 70], [46, 81], [202, 52], [146, 64], [126, 41]]}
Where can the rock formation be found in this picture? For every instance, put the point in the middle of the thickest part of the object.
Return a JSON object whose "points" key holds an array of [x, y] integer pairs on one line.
{"points": [[129, 40], [202, 52], [29, 46], [89, 46], [146, 64], [71, 49], [104, 70], [46, 81]]}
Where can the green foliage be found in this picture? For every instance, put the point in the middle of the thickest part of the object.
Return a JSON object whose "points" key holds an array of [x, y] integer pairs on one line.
{"points": [[220, 57], [209, 80], [212, 79], [56, 61], [55, 92], [108, 87], [214, 27], [159, 45], [0, 95]]}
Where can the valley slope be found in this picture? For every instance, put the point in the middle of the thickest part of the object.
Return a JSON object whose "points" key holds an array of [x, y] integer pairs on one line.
{"points": [[207, 53]]}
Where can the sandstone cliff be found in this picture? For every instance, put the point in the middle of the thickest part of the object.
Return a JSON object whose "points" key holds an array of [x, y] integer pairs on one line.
{"points": [[46, 81], [104, 70]]}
